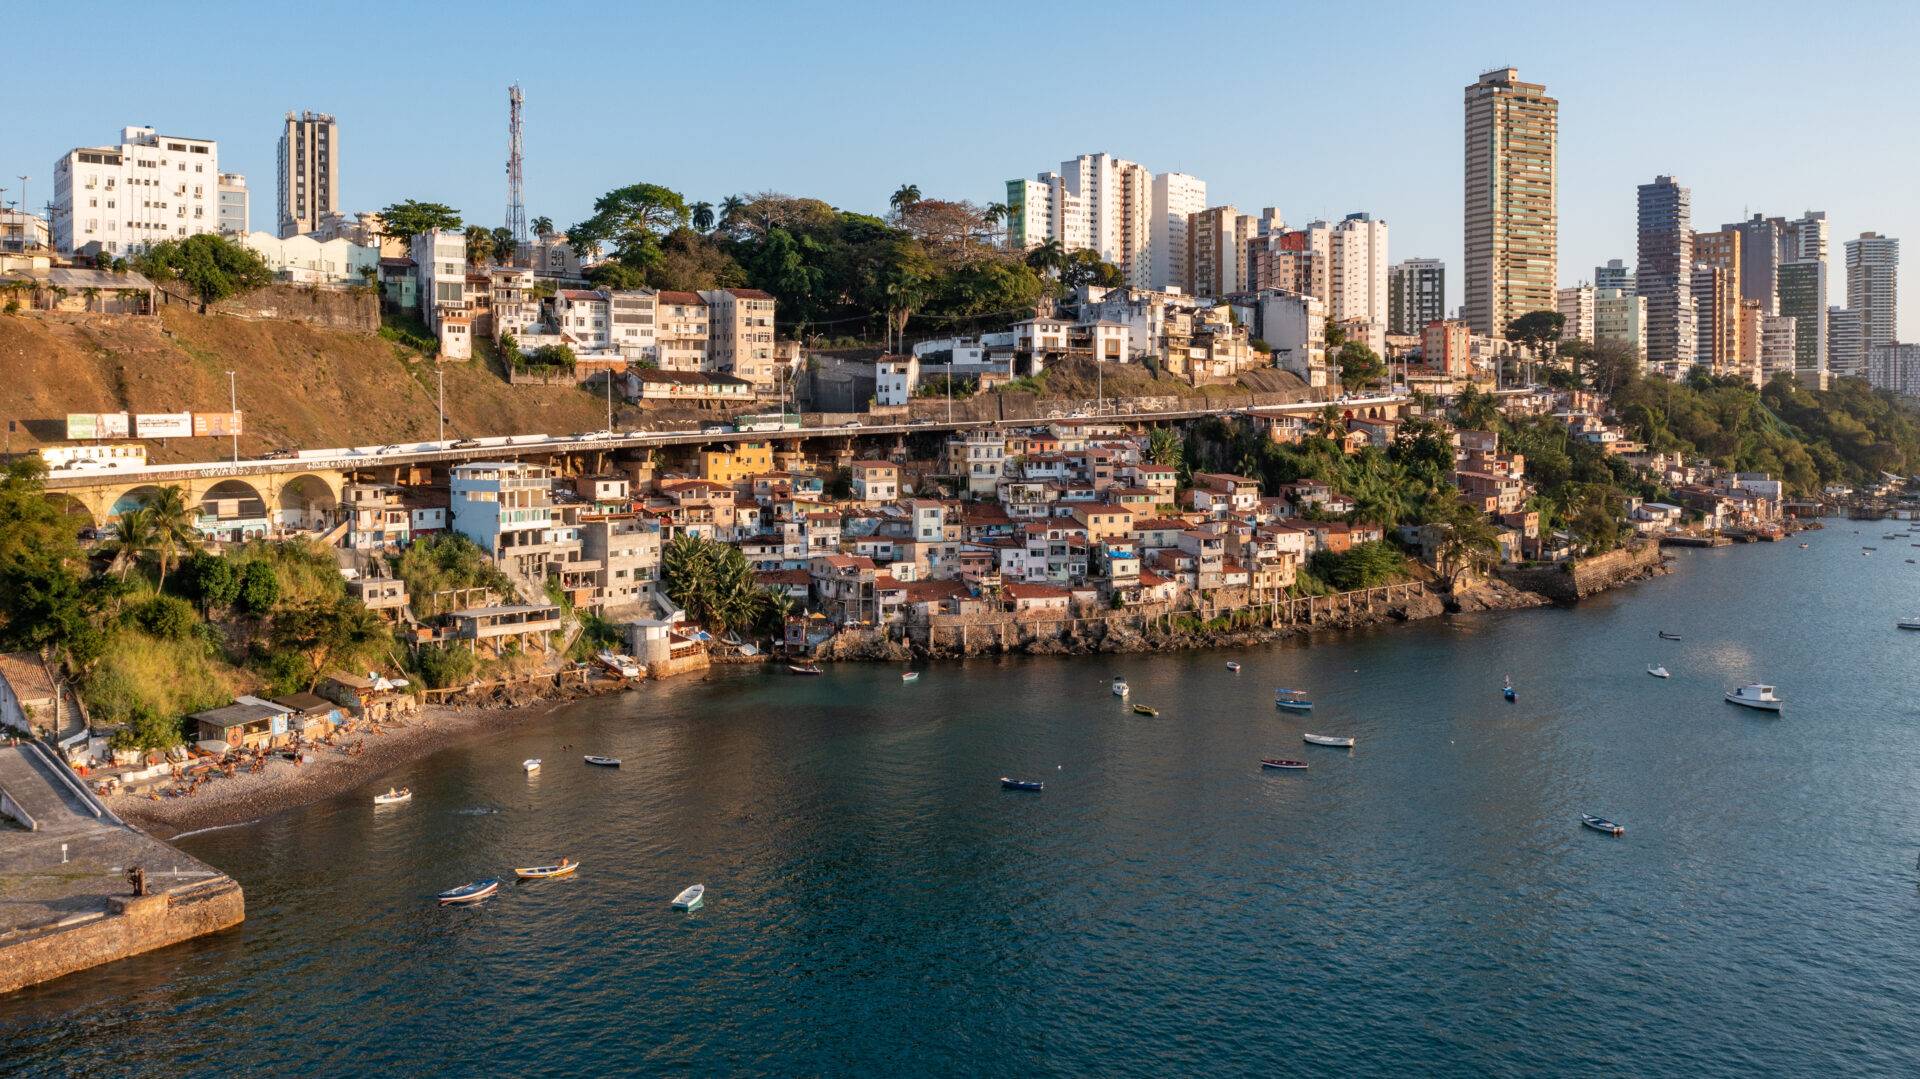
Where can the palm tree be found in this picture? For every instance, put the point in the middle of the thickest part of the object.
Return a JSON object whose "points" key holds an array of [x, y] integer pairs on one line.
{"points": [[1330, 426], [1470, 538], [479, 245], [703, 216], [543, 226], [731, 208], [1048, 258], [132, 534], [1164, 447], [904, 198], [504, 246], [174, 528]]}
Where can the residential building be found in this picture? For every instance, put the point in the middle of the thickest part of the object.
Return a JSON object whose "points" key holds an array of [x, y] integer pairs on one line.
{"points": [[1575, 305], [1873, 289], [23, 231], [1176, 197], [1621, 317], [1445, 347], [1512, 221], [125, 198], [1665, 273], [1752, 322], [235, 205], [624, 556], [895, 378], [681, 331], [1614, 274], [309, 173], [1721, 250], [1217, 251], [876, 481], [1779, 347], [632, 315], [1895, 367], [1846, 351], [505, 508], [514, 308], [305, 260], [1031, 212], [740, 334], [1359, 272], [978, 458], [1801, 288], [440, 265], [582, 318], [1766, 243], [1716, 299], [1294, 325], [1416, 294]]}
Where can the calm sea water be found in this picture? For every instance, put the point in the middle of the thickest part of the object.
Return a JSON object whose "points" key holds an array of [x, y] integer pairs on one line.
{"points": [[1427, 903]]}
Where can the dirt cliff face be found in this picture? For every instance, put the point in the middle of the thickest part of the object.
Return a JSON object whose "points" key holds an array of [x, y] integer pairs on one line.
{"points": [[299, 385]]}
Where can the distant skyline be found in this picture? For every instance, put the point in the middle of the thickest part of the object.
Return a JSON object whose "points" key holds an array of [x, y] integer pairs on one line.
{"points": [[1318, 112]]}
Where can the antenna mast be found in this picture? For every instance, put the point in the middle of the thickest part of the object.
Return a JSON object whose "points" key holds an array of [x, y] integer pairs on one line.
{"points": [[516, 194]]}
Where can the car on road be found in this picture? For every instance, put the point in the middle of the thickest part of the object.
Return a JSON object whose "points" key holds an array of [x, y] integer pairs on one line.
{"points": [[466, 444], [280, 454], [853, 423], [921, 422]]}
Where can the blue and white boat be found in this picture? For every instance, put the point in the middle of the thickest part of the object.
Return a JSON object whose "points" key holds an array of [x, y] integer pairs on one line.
{"points": [[469, 893], [1022, 784], [1601, 824], [1293, 700], [1507, 691]]}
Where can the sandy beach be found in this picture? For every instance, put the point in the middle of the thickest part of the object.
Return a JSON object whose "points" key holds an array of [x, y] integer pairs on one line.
{"points": [[282, 785]]}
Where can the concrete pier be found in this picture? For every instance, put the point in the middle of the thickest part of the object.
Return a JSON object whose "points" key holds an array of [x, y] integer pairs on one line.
{"points": [[65, 900]]}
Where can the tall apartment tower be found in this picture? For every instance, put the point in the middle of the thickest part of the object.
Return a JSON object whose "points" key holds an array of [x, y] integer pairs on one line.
{"points": [[1614, 274], [1800, 293], [1359, 281], [1716, 290], [1845, 353], [1664, 274], [1576, 305], [1512, 220], [309, 178], [1176, 197], [1416, 295], [1216, 248], [1873, 290]]}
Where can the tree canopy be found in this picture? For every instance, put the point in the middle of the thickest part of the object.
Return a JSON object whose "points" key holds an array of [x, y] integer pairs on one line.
{"points": [[213, 266], [405, 220]]}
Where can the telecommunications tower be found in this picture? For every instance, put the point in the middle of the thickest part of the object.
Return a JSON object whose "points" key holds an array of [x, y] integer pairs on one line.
{"points": [[516, 195]]}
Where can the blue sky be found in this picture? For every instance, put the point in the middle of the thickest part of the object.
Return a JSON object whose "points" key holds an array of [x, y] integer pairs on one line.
{"points": [[1316, 109]]}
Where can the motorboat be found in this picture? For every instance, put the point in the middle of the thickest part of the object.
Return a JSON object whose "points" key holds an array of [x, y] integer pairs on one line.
{"points": [[566, 868], [805, 668], [1803, 546], [1658, 672], [531, 764], [1008, 783], [604, 762], [1506, 690], [1601, 824], [691, 898], [1327, 740], [1665, 636], [1234, 666], [394, 796], [1755, 696], [624, 666], [469, 893], [1283, 765], [1293, 700], [909, 676], [1120, 688], [1909, 623], [1145, 710]]}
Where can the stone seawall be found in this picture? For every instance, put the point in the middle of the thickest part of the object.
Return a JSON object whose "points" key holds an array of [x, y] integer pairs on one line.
{"points": [[1576, 581], [355, 309], [129, 926]]}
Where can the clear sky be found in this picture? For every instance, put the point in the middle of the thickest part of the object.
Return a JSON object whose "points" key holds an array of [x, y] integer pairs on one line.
{"points": [[1317, 109]]}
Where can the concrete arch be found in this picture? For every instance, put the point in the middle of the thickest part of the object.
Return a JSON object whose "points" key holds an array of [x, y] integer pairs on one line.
{"points": [[132, 498], [81, 514], [307, 500], [233, 509]]}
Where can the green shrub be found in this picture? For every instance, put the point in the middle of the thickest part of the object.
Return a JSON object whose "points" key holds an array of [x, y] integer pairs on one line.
{"points": [[167, 617], [443, 665]]}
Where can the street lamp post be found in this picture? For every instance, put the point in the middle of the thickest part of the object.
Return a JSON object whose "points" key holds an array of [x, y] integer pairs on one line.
{"points": [[233, 414], [440, 402]]}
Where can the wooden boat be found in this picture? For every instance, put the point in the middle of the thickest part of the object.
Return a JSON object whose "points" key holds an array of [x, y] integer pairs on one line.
{"points": [[1658, 672], [1755, 696], [910, 676], [604, 762], [531, 764], [1022, 784], [1120, 687], [805, 668], [1292, 700], [469, 893], [1284, 765], [1327, 740], [1601, 824], [1233, 666], [1665, 636], [691, 898], [394, 797], [548, 872], [1145, 710]]}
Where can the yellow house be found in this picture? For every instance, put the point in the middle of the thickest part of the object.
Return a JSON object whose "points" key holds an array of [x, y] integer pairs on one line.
{"points": [[731, 464]]}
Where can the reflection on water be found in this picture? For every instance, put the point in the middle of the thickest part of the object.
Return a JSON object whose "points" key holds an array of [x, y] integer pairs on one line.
{"points": [[876, 903]]}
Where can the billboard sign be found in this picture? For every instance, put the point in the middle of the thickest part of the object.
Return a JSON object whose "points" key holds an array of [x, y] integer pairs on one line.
{"points": [[163, 425], [84, 425], [216, 424]]}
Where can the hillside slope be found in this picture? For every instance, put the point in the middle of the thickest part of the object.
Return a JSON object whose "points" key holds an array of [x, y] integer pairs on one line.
{"points": [[299, 385]]}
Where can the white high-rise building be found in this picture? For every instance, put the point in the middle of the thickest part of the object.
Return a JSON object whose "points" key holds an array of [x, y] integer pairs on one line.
{"points": [[1895, 367], [1576, 306], [1779, 336], [126, 198], [1845, 353], [1622, 317], [1873, 290], [1359, 279], [1176, 197]]}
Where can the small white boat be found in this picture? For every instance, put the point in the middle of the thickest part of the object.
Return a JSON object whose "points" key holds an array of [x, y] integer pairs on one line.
{"points": [[393, 796], [1658, 672], [468, 893], [909, 676], [604, 762], [1327, 740], [624, 666], [531, 764], [1755, 696], [691, 898], [1233, 666], [1120, 687]]}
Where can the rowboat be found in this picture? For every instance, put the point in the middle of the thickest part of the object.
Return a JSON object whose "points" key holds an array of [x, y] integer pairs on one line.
{"points": [[805, 668], [604, 762], [531, 764], [691, 898], [1233, 666], [1120, 688], [1292, 700], [1665, 636], [469, 893], [547, 872], [1755, 696], [394, 797], [624, 666], [1022, 784], [1803, 546], [1601, 824], [910, 676], [1276, 762], [1145, 710], [1658, 672], [1327, 740]]}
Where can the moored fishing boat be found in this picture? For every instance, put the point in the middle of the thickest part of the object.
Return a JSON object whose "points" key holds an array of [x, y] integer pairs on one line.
{"points": [[604, 762], [1755, 696], [1009, 783], [1120, 687], [531, 764], [691, 897], [1282, 764], [394, 796], [468, 893], [1328, 740], [1601, 824], [1145, 710], [805, 668], [1292, 700], [1909, 623], [566, 868], [1233, 666], [1665, 636], [1658, 672], [909, 676]]}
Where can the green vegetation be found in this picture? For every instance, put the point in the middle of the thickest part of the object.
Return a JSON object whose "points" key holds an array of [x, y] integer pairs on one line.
{"points": [[436, 566], [443, 665], [409, 331], [1364, 565], [213, 266], [405, 220], [714, 584]]}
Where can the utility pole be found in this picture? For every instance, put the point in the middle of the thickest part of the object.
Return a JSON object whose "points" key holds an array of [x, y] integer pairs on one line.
{"points": [[440, 401], [609, 401], [233, 414]]}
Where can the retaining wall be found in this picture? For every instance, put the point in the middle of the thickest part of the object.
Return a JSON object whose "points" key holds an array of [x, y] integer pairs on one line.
{"points": [[1577, 580], [131, 925]]}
